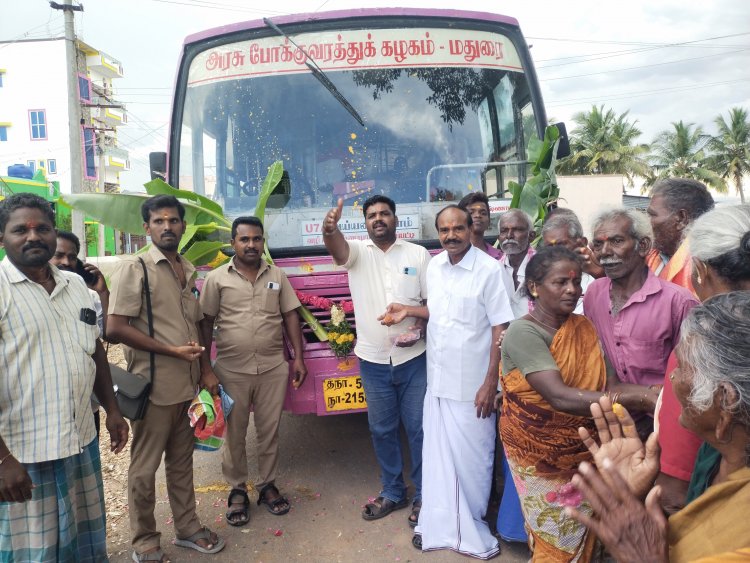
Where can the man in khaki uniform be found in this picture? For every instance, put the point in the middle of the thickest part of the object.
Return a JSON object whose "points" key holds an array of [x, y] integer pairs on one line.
{"points": [[165, 429], [249, 300]]}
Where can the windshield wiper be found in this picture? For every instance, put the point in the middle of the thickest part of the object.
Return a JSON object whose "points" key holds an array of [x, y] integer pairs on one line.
{"points": [[318, 73]]}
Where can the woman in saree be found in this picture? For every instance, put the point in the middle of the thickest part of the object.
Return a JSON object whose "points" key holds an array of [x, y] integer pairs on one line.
{"points": [[712, 383], [553, 369]]}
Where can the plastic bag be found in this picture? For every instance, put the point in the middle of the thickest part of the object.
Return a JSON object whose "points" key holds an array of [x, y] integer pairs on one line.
{"points": [[207, 418]]}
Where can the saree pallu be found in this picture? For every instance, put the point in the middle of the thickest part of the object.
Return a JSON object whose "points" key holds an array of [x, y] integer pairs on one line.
{"points": [[544, 449], [714, 524]]}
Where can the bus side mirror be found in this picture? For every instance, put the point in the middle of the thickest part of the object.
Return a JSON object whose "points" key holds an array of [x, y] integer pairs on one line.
{"points": [[563, 149], [157, 163]]}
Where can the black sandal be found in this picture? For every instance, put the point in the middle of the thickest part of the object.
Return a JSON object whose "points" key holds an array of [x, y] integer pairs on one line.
{"points": [[414, 516], [272, 504], [382, 507], [416, 541], [243, 512]]}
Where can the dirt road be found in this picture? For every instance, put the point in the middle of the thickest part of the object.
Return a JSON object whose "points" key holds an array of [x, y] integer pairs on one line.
{"points": [[328, 471]]}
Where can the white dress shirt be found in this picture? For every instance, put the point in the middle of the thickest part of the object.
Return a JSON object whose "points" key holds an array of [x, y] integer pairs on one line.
{"points": [[586, 279], [519, 302], [465, 303], [376, 279]]}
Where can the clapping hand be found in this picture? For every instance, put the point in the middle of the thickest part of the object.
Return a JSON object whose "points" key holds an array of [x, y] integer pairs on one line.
{"points": [[619, 442], [629, 530]]}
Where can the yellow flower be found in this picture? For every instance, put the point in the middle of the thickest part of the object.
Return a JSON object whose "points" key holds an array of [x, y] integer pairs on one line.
{"points": [[350, 337], [341, 339], [332, 335]]}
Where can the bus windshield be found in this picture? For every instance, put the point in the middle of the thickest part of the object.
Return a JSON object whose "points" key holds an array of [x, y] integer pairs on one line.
{"points": [[446, 111]]}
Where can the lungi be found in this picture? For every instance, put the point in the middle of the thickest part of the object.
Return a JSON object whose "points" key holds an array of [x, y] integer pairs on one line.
{"points": [[65, 518], [457, 474]]}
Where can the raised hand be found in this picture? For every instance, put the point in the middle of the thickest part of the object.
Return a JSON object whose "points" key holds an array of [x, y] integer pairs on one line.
{"points": [[629, 530], [619, 442], [331, 221]]}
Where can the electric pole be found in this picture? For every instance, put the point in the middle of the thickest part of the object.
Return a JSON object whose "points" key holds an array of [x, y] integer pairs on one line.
{"points": [[74, 115]]}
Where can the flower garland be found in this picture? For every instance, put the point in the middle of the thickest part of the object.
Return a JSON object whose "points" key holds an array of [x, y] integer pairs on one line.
{"points": [[323, 302], [340, 334]]}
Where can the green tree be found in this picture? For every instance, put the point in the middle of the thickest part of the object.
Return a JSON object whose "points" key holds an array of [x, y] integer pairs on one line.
{"points": [[730, 149], [682, 152], [605, 143]]}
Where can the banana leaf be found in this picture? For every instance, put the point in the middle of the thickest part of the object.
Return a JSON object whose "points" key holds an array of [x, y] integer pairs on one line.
{"points": [[203, 252], [159, 187], [269, 184]]}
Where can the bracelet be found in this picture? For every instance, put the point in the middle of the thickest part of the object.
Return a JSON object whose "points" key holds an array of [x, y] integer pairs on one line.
{"points": [[6, 457]]}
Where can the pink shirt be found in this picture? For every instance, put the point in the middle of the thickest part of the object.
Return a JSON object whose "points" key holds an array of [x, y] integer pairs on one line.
{"points": [[492, 251], [640, 338]]}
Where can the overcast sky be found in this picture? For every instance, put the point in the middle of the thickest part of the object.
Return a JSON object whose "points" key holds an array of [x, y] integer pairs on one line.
{"points": [[661, 60]]}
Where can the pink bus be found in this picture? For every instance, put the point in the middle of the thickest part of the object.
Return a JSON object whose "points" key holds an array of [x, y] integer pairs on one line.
{"points": [[423, 106]]}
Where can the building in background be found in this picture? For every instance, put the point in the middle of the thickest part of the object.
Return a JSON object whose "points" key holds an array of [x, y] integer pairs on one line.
{"points": [[34, 113]]}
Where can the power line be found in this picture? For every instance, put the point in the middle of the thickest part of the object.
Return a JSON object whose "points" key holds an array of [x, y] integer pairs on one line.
{"points": [[218, 6], [642, 66], [641, 93]]}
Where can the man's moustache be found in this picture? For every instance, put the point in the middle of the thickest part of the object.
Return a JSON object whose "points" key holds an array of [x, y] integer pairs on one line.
{"points": [[609, 261], [32, 245], [452, 241]]}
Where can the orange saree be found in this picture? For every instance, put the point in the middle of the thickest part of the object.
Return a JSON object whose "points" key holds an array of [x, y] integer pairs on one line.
{"points": [[544, 449]]}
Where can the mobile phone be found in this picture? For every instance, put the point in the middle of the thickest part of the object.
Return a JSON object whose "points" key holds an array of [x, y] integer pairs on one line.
{"points": [[88, 278]]}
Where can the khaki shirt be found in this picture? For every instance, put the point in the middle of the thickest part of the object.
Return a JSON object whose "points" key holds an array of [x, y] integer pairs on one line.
{"points": [[175, 310], [248, 316]]}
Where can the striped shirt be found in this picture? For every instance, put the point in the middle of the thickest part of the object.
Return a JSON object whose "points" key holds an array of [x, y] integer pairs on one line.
{"points": [[46, 365]]}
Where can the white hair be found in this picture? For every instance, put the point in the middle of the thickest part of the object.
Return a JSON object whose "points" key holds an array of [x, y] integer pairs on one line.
{"points": [[564, 220], [714, 343], [518, 213], [719, 231], [640, 226]]}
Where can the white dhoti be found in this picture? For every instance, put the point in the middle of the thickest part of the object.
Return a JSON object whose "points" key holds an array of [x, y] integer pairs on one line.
{"points": [[457, 456]]}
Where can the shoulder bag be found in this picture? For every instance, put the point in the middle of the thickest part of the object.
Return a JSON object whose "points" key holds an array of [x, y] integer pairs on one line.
{"points": [[131, 390]]}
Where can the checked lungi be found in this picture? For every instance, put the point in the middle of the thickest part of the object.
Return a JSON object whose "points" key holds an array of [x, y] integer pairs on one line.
{"points": [[65, 518]]}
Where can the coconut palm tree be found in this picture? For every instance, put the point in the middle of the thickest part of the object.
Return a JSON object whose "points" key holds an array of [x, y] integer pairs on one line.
{"points": [[604, 143], [682, 153], [731, 148]]}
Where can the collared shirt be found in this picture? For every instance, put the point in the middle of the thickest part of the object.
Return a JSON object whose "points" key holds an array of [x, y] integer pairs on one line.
{"points": [[243, 308], [491, 251], [465, 303], [46, 366], [376, 279], [519, 302], [175, 310], [640, 337]]}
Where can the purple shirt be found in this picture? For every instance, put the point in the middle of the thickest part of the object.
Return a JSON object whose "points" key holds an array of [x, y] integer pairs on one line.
{"points": [[639, 339], [492, 251]]}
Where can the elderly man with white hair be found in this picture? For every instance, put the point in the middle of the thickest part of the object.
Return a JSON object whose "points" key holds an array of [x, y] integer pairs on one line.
{"points": [[637, 315], [515, 232]]}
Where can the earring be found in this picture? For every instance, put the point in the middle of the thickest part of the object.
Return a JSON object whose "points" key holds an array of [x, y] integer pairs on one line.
{"points": [[698, 278], [534, 294]]}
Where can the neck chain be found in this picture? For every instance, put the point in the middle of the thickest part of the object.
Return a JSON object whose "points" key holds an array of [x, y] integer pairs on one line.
{"points": [[543, 324]]}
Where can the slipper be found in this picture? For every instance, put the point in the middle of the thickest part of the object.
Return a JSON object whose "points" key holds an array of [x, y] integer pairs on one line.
{"points": [[272, 504], [243, 512], [202, 534], [157, 555], [382, 507], [414, 516], [416, 541]]}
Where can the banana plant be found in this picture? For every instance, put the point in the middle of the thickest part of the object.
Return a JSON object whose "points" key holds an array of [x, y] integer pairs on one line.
{"points": [[541, 189], [204, 217]]}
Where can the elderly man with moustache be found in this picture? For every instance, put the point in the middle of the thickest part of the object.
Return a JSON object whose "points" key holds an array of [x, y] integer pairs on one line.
{"points": [[515, 234], [637, 315]]}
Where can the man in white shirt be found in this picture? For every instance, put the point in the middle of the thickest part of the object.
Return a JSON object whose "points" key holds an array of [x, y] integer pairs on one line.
{"points": [[515, 234], [383, 270], [564, 229], [467, 311]]}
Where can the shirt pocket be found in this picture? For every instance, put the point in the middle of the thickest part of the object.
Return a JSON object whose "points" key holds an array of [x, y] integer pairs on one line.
{"points": [[464, 310], [646, 360], [407, 290], [192, 306], [269, 302]]}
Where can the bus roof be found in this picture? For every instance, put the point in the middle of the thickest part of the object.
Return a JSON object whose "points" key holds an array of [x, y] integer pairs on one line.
{"points": [[341, 14]]}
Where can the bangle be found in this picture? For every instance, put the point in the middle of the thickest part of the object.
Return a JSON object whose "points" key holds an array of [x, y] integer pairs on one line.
{"points": [[6, 457]]}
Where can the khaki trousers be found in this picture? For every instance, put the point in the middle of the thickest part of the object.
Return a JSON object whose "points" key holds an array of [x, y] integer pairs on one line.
{"points": [[164, 431], [265, 392]]}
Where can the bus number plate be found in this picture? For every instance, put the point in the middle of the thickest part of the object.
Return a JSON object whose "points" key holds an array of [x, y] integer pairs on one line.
{"points": [[344, 393]]}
